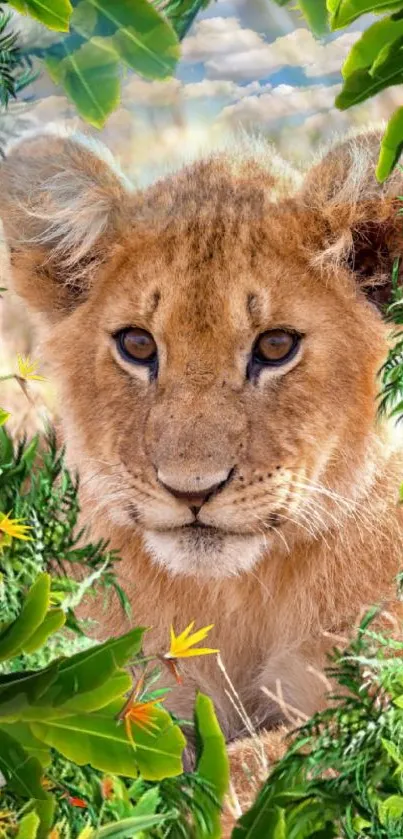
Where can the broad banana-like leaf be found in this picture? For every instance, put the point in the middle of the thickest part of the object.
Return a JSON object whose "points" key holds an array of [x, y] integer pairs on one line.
{"points": [[52, 13]]}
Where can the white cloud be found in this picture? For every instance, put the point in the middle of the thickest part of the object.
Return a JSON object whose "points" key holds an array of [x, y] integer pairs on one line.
{"points": [[231, 52], [328, 58], [151, 94], [218, 36], [221, 88], [281, 102]]}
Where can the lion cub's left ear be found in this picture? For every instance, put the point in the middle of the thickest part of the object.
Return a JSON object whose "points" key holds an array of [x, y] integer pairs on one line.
{"points": [[358, 221], [63, 204]]}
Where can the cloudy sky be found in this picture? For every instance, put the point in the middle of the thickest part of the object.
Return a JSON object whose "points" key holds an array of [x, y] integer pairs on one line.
{"points": [[246, 64]]}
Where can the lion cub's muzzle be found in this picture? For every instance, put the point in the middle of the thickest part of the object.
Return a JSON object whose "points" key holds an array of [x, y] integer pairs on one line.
{"points": [[195, 492]]}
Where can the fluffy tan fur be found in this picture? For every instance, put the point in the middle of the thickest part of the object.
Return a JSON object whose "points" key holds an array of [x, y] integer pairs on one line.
{"points": [[308, 530]]}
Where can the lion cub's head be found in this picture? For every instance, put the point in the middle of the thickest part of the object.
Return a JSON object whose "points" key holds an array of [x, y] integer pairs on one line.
{"points": [[216, 341]]}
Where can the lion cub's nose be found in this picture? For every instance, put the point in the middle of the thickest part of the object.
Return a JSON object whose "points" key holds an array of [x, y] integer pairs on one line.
{"points": [[196, 491]]}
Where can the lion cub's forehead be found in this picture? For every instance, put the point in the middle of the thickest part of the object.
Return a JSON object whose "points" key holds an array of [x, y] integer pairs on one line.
{"points": [[210, 245]]}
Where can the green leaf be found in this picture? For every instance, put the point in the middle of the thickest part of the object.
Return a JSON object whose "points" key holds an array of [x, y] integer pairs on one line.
{"points": [[344, 12], [148, 803], [84, 19], [55, 14], [212, 764], [18, 690], [99, 740], [22, 773], [143, 38], [182, 13], [391, 146], [364, 52], [127, 828], [268, 823], [4, 415], [28, 828], [391, 809], [115, 687], [315, 14], [29, 620], [53, 621], [393, 752], [90, 77], [45, 809], [363, 84], [33, 747], [90, 669]]}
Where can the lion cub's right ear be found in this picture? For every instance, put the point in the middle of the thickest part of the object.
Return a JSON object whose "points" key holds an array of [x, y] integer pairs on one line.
{"points": [[62, 205]]}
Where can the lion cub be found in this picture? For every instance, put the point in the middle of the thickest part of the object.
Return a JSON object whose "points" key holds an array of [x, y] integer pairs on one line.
{"points": [[216, 339]]}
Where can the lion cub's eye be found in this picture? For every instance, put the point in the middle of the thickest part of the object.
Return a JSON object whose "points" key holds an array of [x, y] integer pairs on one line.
{"points": [[275, 347], [136, 345]]}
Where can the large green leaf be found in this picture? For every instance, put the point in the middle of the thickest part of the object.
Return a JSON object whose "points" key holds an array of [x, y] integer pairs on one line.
{"points": [[90, 669], [391, 146], [344, 12], [34, 695], [262, 823], [29, 825], [53, 621], [212, 764], [32, 614], [90, 77], [127, 828], [98, 739], [115, 687], [316, 15], [18, 690], [364, 52], [387, 70], [33, 747], [144, 39], [22, 773], [52, 13]]}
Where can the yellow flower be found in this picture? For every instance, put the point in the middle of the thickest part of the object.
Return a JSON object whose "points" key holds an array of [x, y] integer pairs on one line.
{"points": [[181, 644], [27, 369], [12, 529]]}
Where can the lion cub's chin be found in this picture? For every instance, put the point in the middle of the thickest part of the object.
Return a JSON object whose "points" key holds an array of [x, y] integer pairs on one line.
{"points": [[206, 552]]}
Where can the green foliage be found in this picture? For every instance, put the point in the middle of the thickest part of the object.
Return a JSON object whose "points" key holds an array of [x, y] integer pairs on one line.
{"points": [[342, 774], [52, 13], [391, 397], [181, 13], [15, 68], [375, 61], [36, 487], [100, 41], [105, 39], [66, 756], [212, 763]]}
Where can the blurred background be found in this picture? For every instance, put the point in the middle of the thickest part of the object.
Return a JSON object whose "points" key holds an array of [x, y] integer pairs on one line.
{"points": [[246, 65]]}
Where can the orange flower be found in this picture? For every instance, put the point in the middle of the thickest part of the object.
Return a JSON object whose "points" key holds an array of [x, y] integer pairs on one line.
{"points": [[107, 788], [140, 713], [77, 802]]}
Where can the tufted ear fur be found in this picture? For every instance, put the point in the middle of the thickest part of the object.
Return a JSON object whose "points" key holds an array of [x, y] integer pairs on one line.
{"points": [[359, 224], [62, 204]]}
